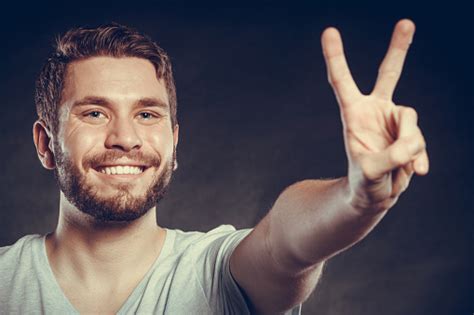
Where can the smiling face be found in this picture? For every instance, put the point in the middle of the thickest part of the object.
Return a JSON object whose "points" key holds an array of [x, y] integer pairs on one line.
{"points": [[115, 148]]}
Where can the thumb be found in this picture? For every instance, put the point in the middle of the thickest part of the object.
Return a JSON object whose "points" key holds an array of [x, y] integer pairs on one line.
{"points": [[398, 154]]}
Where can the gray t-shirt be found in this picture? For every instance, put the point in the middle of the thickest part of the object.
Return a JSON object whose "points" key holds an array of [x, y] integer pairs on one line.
{"points": [[190, 276]]}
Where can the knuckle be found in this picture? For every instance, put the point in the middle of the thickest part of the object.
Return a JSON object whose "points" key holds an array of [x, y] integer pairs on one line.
{"points": [[422, 143], [397, 157], [335, 82], [338, 85], [368, 170], [341, 79], [421, 140], [409, 111]]}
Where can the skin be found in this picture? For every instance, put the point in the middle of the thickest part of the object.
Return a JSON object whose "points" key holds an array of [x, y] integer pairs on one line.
{"points": [[279, 263], [97, 264]]}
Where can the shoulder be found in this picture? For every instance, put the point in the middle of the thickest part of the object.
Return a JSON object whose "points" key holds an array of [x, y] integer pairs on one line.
{"points": [[18, 260], [222, 236], [21, 247], [205, 249], [207, 254], [211, 255]]}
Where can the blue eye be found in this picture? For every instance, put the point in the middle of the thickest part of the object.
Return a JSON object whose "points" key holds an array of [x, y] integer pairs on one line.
{"points": [[94, 114], [146, 115]]}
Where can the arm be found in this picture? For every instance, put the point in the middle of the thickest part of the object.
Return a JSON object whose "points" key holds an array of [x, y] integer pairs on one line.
{"points": [[280, 262]]}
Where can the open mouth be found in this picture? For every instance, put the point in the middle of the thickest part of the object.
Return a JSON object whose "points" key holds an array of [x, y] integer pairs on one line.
{"points": [[121, 169]]}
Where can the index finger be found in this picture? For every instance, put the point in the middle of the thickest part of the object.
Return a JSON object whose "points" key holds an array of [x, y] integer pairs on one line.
{"points": [[339, 75], [392, 65]]}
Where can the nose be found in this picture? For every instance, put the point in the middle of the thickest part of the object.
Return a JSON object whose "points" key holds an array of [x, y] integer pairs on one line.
{"points": [[123, 135]]}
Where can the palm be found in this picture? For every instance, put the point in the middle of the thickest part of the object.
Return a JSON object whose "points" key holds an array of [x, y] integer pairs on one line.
{"points": [[381, 138], [368, 126]]}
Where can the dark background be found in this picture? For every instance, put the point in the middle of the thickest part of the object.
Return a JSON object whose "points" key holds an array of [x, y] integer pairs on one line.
{"points": [[257, 114]]}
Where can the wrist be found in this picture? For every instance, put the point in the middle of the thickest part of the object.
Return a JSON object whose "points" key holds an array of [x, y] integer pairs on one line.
{"points": [[361, 201]]}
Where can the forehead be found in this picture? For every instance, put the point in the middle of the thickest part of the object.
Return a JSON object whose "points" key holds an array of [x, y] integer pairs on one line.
{"points": [[122, 79]]}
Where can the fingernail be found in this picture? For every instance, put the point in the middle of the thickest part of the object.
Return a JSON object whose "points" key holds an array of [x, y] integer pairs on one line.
{"points": [[421, 167]]}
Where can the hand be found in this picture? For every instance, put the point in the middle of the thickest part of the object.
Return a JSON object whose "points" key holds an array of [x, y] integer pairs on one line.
{"points": [[383, 142]]}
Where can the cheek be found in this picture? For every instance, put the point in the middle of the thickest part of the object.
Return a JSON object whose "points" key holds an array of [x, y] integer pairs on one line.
{"points": [[159, 140], [79, 141]]}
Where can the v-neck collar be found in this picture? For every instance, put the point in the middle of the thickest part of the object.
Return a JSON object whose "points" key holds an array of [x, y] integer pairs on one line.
{"points": [[50, 278]]}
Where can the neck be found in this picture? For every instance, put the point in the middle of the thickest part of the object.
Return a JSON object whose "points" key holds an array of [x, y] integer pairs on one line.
{"points": [[91, 252]]}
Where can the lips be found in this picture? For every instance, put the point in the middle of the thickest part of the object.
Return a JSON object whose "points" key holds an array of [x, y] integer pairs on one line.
{"points": [[113, 162], [112, 165]]}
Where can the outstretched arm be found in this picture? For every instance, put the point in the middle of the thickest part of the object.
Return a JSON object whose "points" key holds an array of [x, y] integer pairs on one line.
{"points": [[279, 263]]}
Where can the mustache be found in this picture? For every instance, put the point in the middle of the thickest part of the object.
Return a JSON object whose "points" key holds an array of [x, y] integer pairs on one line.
{"points": [[110, 157]]}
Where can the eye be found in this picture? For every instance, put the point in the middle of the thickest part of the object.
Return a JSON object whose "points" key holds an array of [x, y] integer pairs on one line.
{"points": [[94, 114], [94, 117], [147, 115]]}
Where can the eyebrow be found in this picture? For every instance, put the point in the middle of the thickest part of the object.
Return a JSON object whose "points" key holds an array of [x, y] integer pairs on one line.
{"points": [[151, 102], [106, 102]]}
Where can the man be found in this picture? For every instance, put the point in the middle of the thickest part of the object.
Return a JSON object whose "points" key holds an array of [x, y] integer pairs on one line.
{"points": [[107, 126]]}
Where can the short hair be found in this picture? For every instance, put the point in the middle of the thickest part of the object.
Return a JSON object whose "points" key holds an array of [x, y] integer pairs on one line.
{"points": [[112, 40]]}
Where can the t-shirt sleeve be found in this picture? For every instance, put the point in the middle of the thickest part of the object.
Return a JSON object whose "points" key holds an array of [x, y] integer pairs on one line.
{"points": [[223, 293]]}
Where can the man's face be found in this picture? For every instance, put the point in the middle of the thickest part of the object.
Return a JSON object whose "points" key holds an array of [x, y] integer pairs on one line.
{"points": [[115, 148]]}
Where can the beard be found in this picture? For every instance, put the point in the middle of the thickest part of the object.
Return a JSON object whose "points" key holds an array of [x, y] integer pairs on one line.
{"points": [[123, 206]]}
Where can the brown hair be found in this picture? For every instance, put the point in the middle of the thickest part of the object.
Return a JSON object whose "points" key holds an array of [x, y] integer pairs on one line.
{"points": [[113, 40]]}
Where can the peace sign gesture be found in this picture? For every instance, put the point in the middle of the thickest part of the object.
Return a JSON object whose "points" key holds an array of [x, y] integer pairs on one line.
{"points": [[383, 142]]}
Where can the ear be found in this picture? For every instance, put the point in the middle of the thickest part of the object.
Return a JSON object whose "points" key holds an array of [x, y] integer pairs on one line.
{"points": [[176, 135], [43, 141], [175, 143]]}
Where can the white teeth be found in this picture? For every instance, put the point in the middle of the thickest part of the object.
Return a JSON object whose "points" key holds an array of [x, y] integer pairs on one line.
{"points": [[121, 170]]}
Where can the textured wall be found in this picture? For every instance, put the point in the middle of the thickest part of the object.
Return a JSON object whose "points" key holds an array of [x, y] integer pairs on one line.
{"points": [[256, 114]]}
